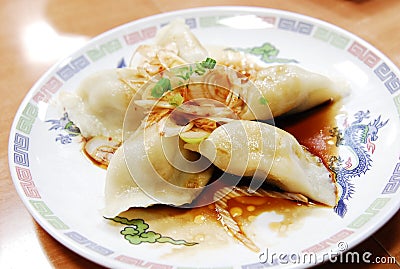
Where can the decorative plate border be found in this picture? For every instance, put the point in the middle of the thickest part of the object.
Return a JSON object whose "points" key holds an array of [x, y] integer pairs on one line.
{"points": [[19, 143]]}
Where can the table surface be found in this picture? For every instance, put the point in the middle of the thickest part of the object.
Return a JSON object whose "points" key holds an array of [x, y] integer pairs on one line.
{"points": [[68, 24]]}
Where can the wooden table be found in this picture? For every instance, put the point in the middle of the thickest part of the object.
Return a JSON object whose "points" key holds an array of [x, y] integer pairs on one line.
{"points": [[61, 26]]}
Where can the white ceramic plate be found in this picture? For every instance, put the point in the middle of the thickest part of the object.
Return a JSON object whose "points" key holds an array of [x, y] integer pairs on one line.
{"points": [[64, 191]]}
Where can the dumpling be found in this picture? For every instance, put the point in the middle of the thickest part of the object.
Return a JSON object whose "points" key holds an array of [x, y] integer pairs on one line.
{"points": [[174, 45], [149, 169], [284, 88], [178, 34], [99, 104], [290, 89], [270, 92], [268, 153]]}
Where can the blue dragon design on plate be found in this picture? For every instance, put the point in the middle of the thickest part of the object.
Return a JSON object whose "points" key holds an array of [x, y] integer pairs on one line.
{"points": [[358, 137]]}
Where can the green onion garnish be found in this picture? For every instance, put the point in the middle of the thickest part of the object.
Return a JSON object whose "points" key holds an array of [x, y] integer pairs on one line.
{"points": [[209, 63], [161, 87], [176, 100], [263, 100]]}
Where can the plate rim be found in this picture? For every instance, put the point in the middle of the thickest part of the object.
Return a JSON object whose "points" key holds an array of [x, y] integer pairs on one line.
{"points": [[104, 261]]}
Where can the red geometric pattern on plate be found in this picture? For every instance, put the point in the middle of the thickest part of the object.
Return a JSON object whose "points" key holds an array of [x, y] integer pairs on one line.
{"points": [[269, 20], [365, 55], [27, 184], [138, 36], [333, 240], [48, 89]]}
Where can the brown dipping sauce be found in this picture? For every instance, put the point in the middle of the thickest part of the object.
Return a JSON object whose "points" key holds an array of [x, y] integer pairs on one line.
{"points": [[312, 130], [245, 209]]}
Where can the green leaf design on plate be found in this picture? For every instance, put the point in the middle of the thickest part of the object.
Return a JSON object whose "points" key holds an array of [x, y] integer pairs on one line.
{"points": [[268, 53], [137, 233]]}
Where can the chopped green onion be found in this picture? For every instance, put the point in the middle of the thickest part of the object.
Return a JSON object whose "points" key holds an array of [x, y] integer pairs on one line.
{"points": [[200, 70], [263, 100], [209, 63], [161, 87], [176, 100], [184, 72]]}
